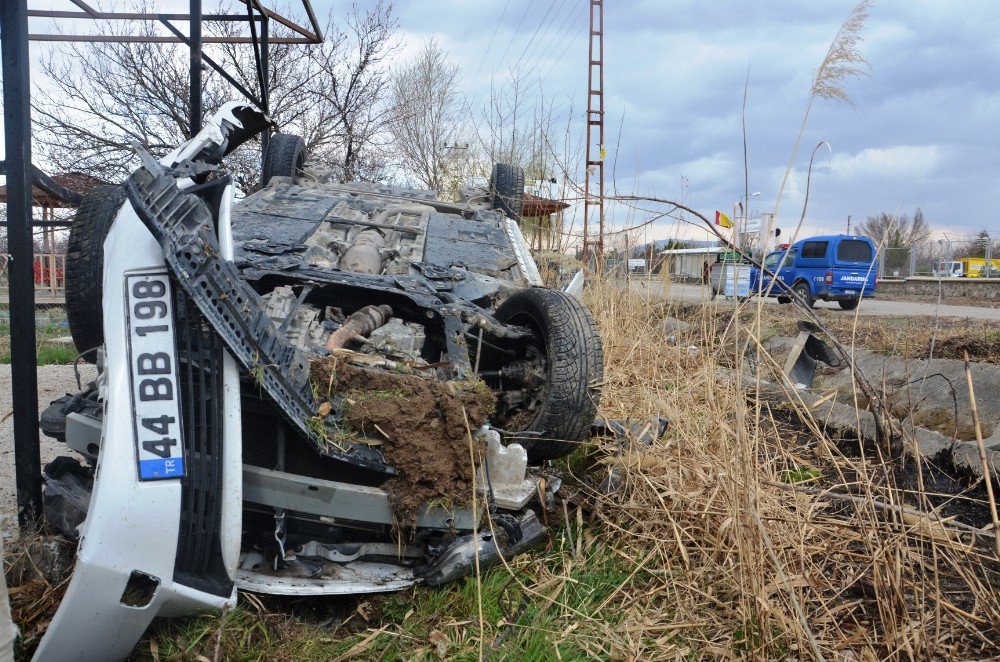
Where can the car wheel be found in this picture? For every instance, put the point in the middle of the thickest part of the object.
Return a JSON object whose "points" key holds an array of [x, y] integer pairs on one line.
{"points": [[548, 395], [507, 188], [802, 289], [285, 157], [85, 265], [849, 304]]}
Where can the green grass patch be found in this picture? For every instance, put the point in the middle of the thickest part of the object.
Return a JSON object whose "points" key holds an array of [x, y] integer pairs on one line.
{"points": [[424, 623], [794, 476], [48, 351]]}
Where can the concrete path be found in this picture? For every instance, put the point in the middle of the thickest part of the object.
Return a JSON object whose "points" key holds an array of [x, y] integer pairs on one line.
{"points": [[53, 381], [686, 292]]}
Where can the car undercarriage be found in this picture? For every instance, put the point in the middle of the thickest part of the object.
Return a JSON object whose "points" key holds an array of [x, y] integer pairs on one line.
{"points": [[323, 388]]}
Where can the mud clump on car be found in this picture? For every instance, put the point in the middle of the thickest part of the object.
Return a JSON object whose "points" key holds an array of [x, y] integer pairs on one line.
{"points": [[419, 424]]}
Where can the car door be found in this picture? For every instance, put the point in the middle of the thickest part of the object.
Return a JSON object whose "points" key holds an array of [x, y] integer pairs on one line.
{"points": [[787, 272], [763, 280]]}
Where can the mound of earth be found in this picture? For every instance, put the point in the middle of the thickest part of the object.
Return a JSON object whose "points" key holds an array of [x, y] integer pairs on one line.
{"points": [[420, 425]]}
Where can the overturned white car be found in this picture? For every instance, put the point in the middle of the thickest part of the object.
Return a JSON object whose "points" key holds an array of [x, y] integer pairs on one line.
{"points": [[322, 389]]}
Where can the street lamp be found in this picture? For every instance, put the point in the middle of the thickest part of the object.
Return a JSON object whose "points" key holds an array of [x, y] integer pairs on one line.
{"points": [[941, 243], [988, 254]]}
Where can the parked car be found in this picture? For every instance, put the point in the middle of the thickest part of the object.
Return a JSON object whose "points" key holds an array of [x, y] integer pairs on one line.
{"points": [[839, 268], [291, 388]]}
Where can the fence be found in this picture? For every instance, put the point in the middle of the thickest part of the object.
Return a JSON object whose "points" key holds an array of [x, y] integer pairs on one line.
{"points": [[50, 278], [925, 258]]}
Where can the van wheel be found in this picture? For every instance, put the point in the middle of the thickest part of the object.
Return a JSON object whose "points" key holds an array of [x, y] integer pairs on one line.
{"points": [[783, 299], [849, 304], [802, 289]]}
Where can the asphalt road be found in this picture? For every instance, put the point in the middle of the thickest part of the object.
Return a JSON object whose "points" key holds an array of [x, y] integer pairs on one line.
{"points": [[685, 292]]}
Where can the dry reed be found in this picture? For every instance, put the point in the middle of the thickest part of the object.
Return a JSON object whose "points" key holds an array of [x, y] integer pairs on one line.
{"points": [[735, 560]]}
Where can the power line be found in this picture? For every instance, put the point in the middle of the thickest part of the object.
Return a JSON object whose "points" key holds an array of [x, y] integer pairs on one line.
{"points": [[496, 28], [539, 32]]}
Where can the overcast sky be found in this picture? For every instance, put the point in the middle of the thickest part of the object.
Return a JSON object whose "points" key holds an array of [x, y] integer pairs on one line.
{"points": [[922, 130]]}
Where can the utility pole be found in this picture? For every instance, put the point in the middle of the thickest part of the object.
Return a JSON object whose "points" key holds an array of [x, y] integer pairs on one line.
{"points": [[595, 128]]}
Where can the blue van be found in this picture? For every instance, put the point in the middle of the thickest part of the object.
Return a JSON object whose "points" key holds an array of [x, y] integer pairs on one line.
{"points": [[839, 268]]}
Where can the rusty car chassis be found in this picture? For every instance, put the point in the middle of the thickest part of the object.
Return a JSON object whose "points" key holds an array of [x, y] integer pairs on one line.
{"points": [[213, 461]]}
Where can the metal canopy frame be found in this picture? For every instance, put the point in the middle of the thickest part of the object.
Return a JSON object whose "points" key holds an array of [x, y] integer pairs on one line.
{"points": [[21, 174]]}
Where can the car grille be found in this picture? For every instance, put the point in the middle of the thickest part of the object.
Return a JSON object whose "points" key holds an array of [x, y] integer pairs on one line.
{"points": [[199, 562]]}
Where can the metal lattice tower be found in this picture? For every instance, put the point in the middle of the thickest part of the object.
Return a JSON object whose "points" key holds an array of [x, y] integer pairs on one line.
{"points": [[595, 119]]}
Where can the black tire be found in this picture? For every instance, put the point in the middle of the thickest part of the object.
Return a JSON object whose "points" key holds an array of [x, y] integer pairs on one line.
{"points": [[784, 299], [849, 304], [574, 369], [507, 188], [85, 266], [285, 157], [802, 289]]}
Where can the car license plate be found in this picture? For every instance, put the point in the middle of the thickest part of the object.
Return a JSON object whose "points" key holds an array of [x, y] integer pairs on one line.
{"points": [[849, 291], [153, 370]]}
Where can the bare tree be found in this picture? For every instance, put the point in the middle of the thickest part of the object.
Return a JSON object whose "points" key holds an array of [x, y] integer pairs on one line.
{"points": [[897, 231], [354, 81], [520, 126], [900, 234], [99, 98], [426, 116]]}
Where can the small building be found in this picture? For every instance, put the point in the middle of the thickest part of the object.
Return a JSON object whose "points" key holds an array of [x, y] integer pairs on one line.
{"points": [[49, 194], [689, 263], [541, 221]]}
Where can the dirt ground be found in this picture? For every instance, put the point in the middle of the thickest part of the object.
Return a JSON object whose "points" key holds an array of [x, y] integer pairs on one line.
{"points": [[419, 423], [53, 381], [905, 337], [923, 298]]}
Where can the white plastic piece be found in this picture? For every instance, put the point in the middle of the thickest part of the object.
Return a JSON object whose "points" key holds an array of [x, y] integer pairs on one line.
{"points": [[508, 473], [232, 421], [524, 259], [210, 134], [352, 578], [575, 286]]}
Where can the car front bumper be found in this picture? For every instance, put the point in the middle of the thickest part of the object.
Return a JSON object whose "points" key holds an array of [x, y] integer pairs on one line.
{"points": [[157, 547]]}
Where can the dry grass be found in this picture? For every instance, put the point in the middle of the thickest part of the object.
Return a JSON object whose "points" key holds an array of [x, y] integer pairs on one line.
{"points": [[742, 563]]}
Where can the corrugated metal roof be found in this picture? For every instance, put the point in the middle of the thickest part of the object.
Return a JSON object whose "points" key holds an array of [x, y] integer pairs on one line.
{"points": [[705, 250]]}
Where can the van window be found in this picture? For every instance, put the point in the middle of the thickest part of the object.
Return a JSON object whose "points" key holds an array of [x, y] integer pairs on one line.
{"points": [[854, 250], [789, 261], [814, 249], [772, 261]]}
